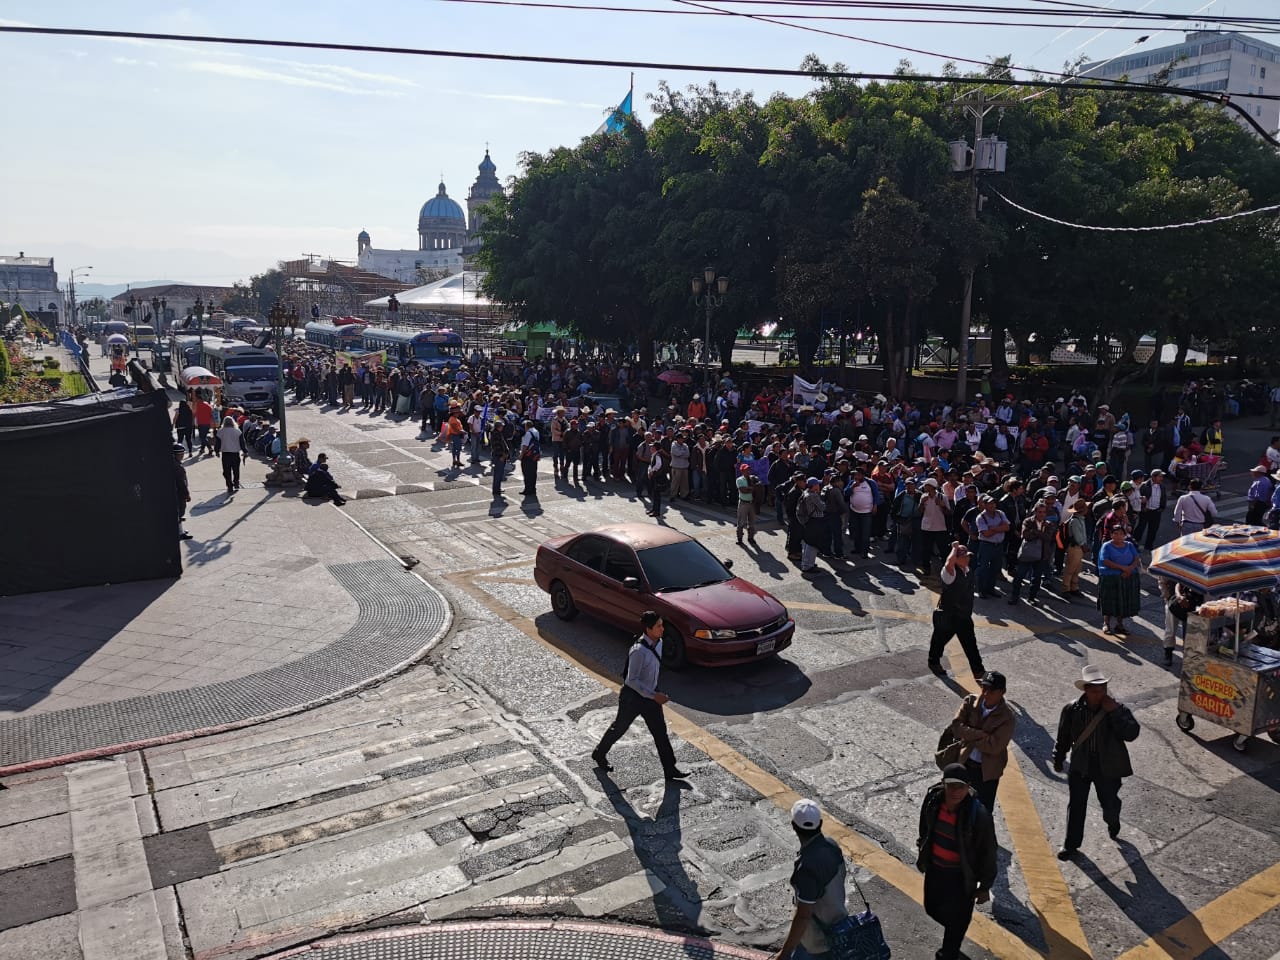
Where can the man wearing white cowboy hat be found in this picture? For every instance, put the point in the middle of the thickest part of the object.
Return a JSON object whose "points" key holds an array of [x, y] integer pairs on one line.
{"points": [[1094, 730]]}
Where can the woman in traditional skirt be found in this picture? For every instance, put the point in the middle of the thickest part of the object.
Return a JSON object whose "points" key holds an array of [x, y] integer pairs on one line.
{"points": [[1118, 595]]}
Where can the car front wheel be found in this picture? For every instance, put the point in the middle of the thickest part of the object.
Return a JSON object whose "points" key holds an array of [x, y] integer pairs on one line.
{"points": [[673, 653], [562, 604]]}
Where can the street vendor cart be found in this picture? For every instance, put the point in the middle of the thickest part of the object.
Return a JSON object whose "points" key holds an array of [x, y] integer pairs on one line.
{"points": [[1226, 680]]}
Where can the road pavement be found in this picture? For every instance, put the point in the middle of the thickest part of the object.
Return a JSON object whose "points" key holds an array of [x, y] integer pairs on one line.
{"points": [[462, 788]]}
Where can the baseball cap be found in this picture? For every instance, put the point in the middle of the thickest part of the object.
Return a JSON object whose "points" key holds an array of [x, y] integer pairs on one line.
{"points": [[993, 679], [806, 815], [813, 482], [954, 773]]}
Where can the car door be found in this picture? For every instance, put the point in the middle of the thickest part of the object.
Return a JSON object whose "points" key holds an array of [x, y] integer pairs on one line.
{"points": [[584, 574], [625, 605]]}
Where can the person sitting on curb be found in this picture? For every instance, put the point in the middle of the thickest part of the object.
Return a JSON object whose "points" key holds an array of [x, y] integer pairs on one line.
{"points": [[320, 482]]}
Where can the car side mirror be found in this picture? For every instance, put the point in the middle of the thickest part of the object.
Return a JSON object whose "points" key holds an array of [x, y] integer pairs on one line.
{"points": [[631, 583], [728, 564]]}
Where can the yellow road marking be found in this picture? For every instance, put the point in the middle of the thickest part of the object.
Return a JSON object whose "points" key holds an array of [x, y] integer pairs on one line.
{"points": [[1214, 922], [983, 930], [1047, 891]]}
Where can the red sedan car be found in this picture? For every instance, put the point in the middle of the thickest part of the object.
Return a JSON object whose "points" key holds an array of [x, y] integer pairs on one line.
{"points": [[618, 572]]}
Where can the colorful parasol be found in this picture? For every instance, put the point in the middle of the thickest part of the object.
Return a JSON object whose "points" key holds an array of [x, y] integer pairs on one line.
{"points": [[675, 376], [1221, 560]]}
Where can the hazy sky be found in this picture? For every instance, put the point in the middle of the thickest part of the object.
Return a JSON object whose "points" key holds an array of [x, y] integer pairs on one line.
{"points": [[206, 163]]}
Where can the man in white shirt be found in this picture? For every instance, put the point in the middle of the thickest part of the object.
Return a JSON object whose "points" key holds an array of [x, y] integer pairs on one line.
{"points": [[1193, 510], [1273, 452], [639, 697]]}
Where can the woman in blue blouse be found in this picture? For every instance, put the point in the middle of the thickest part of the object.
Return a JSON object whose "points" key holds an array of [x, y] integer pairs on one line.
{"points": [[1118, 595]]}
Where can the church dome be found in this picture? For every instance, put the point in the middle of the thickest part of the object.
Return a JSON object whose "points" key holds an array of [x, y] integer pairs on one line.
{"points": [[441, 207], [487, 165], [363, 235]]}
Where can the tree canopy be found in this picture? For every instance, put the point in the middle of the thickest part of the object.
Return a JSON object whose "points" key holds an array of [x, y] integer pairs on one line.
{"points": [[840, 208]]}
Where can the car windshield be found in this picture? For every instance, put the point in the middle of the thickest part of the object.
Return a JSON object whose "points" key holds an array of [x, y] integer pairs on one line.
{"points": [[681, 566]]}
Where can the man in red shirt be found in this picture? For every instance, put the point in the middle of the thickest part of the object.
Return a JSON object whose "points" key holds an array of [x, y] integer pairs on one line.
{"points": [[204, 423], [957, 845]]}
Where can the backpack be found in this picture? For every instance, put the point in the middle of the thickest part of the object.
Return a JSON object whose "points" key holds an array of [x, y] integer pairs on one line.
{"points": [[534, 450]]}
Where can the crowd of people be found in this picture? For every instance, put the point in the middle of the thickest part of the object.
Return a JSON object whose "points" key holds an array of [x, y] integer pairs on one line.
{"points": [[1035, 492]]}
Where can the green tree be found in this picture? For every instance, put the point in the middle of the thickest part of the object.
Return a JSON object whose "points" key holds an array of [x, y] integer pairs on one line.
{"points": [[256, 297]]}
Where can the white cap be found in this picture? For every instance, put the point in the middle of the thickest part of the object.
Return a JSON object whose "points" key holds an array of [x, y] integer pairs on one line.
{"points": [[806, 815]]}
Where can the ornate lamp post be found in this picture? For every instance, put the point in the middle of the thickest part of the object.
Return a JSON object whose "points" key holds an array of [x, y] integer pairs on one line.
{"points": [[74, 318], [279, 317], [158, 313], [711, 284], [134, 304]]}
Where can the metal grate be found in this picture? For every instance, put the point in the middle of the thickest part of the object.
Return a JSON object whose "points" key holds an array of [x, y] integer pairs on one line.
{"points": [[399, 618], [498, 940]]}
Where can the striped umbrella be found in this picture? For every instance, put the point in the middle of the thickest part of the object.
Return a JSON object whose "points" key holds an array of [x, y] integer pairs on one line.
{"points": [[1221, 560]]}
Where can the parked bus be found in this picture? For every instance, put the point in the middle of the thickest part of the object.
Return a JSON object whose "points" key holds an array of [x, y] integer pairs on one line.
{"points": [[431, 348], [249, 374], [345, 337]]}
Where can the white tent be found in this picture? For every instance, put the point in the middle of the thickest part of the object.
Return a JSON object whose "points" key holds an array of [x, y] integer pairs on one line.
{"points": [[451, 295]]}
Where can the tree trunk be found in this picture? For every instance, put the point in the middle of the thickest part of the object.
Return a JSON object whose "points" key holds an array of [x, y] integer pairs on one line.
{"points": [[890, 355], [725, 346], [806, 345], [645, 348], [999, 362], [1180, 358]]}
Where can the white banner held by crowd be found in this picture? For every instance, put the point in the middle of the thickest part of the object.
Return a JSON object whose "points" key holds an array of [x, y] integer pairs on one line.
{"points": [[802, 391]]}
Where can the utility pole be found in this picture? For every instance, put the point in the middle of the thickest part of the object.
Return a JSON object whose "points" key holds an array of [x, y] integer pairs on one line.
{"points": [[977, 105]]}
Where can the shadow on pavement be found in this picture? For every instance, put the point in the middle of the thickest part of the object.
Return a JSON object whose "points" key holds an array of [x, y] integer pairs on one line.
{"points": [[658, 844], [1150, 905], [48, 636]]}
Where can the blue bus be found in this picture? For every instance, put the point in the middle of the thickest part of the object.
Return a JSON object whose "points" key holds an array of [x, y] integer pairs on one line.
{"points": [[431, 348], [345, 337]]}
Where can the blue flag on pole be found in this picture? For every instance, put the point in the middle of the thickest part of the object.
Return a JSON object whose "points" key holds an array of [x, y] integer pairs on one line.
{"points": [[618, 119]]}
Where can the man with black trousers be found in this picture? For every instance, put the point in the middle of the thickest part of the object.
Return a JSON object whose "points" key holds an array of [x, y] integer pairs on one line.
{"points": [[1092, 733], [953, 617], [639, 697], [957, 855]]}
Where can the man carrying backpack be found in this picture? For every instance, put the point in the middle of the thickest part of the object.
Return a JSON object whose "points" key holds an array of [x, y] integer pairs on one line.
{"points": [[639, 697]]}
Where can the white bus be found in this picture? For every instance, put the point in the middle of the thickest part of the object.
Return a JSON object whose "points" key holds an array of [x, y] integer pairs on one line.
{"points": [[249, 374]]}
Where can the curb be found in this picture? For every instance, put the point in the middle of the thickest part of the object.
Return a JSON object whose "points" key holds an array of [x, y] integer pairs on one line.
{"points": [[421, 941]]}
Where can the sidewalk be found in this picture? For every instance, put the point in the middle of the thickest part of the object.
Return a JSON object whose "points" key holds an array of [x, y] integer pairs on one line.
{"points": [[283, 604]]}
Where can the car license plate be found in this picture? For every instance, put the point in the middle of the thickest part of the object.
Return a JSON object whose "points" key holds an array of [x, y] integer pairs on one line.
{"points": [[766, 646]]}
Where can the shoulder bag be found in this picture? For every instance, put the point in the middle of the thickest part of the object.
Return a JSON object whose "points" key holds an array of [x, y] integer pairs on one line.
{"points": [[857, 936]]}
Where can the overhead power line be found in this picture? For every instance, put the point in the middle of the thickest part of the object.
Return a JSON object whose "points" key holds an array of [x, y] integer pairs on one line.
{"points": [[1222, 99], [1207, 221], [1148, 27]]}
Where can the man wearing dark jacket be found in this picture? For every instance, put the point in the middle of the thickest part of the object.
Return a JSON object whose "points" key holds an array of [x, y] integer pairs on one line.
{"points": [[957, 855], [791, 504], [1094, 730]]}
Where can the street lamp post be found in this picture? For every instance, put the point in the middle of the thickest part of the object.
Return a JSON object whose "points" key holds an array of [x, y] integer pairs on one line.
{"points": [[198, 313], [279, 317], [72, 291], [134, 304], [711, 284]]}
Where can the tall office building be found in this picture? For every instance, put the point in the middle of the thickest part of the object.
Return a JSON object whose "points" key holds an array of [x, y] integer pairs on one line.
{"points": [[1211, 60]]}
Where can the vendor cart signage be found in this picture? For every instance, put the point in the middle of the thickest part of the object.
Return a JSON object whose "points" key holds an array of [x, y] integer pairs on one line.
{"points": [[1212, 705], [1215, 687]]}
